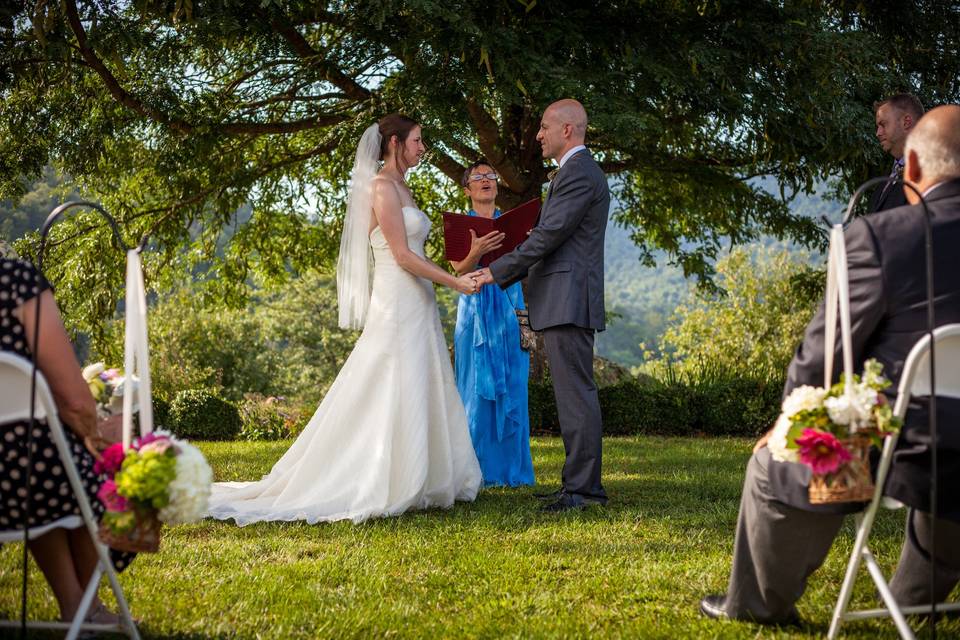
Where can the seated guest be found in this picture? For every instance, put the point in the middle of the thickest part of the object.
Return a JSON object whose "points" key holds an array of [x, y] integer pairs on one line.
{"points": [[781, 539], [492, 369], [60, 542]]}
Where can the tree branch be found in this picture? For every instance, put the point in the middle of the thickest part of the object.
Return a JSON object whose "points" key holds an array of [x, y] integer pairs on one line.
{"points": [[125, 98], [450, 167], [305, 50], [492, 147], [119, 94]]}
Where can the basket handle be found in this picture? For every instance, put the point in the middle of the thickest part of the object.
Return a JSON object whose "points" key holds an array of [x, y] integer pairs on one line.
{"points": [[838, 293]]}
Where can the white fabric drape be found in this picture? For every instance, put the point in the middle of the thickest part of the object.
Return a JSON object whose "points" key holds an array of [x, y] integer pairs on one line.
{"points": [[136, 361]]}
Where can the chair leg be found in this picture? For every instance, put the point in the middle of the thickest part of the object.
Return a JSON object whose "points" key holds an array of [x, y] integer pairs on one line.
{"points": [[905, 632], [88, 594], [105, 566], [849, 579]]}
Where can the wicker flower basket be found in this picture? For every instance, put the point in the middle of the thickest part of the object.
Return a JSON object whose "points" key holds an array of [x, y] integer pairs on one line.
{"points": [[143, 538], [852, 483]]}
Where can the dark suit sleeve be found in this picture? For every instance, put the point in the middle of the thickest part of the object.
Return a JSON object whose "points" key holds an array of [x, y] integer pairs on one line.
{"points": [[867, 308], [568, 204]]}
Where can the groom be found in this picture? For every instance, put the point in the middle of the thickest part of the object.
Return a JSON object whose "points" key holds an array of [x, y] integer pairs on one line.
{"points": [[563, 258]]}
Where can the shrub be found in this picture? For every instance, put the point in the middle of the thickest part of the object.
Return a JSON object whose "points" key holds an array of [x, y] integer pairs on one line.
{"points": [[200, 415], [722, 404], [270, 418], [161, 413], [752, 326]]}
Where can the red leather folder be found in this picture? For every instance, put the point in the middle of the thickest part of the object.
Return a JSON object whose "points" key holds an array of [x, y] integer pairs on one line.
{"points": [[515, 223]]}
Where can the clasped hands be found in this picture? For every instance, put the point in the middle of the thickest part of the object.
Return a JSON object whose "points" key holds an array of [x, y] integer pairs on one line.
{"points": [[477, 279]]}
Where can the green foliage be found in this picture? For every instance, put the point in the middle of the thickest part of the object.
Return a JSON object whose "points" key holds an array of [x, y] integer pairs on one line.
{"points": [[200, 415], [161, 412], [175, 119], [752, 326], [720, 403], [270, 418]]}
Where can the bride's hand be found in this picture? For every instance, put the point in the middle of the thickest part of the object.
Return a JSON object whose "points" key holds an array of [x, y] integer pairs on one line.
{"points": [[467, 285]]}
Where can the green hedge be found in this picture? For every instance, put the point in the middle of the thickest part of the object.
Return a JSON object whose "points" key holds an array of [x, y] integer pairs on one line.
{"points": [[199, 414], [726, 406]]}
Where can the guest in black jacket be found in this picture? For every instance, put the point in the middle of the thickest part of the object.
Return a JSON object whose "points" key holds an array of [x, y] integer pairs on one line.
{"points": [[895, 116], [781, 538]]}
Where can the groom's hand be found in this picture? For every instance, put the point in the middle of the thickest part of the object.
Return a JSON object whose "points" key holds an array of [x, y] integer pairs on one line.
{"points": [[482, 276]]}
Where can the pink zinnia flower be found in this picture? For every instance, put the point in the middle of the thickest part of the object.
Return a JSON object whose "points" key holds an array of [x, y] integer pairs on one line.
{"points": [[110, 498], [110, 460], [821, 451]]}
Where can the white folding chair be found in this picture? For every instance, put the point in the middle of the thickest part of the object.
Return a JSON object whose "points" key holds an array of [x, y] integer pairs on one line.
{"points": [[915, 381], [15, 376]]}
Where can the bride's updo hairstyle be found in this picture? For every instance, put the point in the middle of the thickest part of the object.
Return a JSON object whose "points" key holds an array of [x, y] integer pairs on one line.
{"points": [[394, 125]]}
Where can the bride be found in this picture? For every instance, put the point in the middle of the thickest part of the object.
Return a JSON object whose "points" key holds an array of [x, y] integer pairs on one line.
{"points": [[391, 434]]}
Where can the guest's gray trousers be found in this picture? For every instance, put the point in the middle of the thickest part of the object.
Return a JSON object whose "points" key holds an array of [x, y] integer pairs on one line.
{"points": [[777, 547]]}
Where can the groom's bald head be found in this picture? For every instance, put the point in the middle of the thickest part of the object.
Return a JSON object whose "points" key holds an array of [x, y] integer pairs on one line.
{"points": [[569, 111], [563, 126]]}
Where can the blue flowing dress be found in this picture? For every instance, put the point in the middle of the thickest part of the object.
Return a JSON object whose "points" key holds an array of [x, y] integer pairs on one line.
{"points": [[492, 374]]}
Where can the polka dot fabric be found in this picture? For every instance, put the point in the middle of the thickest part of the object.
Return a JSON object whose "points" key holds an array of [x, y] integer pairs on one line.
{"points": [[51, 497]]}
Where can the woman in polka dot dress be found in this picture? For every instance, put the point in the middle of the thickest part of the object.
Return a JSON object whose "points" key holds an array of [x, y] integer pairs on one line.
{"points": [[60, 543]]}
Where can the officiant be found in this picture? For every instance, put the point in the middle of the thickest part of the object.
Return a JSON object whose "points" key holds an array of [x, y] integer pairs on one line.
{"points": [[491, 366]]}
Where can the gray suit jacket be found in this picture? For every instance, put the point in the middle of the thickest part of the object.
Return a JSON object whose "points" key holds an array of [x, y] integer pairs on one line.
{"points": [[563, 255], [888, 314]]}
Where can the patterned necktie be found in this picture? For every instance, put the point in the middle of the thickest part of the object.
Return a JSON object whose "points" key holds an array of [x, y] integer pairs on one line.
{"points": [[896, 174]]}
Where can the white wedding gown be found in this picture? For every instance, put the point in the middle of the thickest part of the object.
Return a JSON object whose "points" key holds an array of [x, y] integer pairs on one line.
{"points": [[391, 434]]}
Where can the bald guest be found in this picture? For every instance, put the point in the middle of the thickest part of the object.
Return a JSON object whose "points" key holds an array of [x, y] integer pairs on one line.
{"points": [[781, 539]]}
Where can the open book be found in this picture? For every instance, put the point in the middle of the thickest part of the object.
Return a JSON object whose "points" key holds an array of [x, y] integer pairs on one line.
{"points": [[514, 223]]}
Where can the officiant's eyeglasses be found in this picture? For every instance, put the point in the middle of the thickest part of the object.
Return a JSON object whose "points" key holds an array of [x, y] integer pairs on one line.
{"points": [[477, 177]]}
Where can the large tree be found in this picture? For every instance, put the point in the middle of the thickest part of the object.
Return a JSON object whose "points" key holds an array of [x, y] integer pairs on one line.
{"points": [[174, 113]]}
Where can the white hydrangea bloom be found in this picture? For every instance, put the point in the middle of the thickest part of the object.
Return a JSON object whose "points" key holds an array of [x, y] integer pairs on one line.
{"points": [[853, 410], [190, 490], [777, 443], [803, 398]]}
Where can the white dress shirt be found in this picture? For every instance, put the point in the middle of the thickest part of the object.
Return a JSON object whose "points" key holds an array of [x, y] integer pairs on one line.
{"points": [[569, 153]]}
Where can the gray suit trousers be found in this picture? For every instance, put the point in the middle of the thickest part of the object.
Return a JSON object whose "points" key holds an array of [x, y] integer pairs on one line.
{"points": [[570, 354], [777, 547]]}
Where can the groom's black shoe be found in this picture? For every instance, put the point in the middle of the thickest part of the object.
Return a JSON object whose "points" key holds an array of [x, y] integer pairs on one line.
{"points": [[570, 501], [552, 495]]}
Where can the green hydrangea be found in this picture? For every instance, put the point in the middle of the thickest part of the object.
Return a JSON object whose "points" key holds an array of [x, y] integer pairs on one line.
{"points": [[145, 475]]}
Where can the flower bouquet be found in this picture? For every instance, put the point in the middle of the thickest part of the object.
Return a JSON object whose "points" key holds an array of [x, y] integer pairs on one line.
{"points": [[159, 480], [831, 431], [106, 386]]}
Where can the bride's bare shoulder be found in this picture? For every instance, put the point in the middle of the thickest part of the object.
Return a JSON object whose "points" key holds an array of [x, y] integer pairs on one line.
{"points": [[384, 189]]}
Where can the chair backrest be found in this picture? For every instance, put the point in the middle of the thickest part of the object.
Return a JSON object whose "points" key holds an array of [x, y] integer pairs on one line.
{"points": [[15, 372], [915, 380]]}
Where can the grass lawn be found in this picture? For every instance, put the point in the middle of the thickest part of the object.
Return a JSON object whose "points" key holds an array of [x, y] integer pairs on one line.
{"points": [[493, 568]]}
